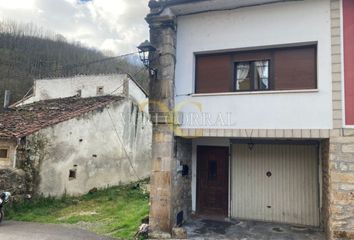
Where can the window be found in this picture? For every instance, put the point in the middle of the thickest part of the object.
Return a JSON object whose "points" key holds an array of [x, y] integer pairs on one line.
{"points": [[252, 75], [288, 68], [72, 174], [3, 153], [100, 91], [212, 171]]}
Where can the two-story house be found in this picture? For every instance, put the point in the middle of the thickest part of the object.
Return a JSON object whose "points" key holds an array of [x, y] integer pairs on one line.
{"points": [[253, 104]]}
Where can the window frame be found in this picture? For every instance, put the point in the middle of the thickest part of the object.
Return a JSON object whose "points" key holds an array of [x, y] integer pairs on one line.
{"points": [[7, 153], [271, 54], [100, 90], [270, 75]]}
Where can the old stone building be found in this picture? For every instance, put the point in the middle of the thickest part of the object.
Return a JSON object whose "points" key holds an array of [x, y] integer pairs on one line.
{"points": [[59, 141], [253, 105]]}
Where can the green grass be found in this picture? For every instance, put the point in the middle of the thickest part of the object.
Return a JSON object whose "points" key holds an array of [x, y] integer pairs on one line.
{"points": [[115, 211]]}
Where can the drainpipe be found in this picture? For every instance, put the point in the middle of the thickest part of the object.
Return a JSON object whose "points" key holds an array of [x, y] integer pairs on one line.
{"points": [[7, 97], [18, 142]]}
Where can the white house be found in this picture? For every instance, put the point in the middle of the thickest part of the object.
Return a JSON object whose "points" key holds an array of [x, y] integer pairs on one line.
{"points": [[86, 86], [74, 134], [264, 107]]}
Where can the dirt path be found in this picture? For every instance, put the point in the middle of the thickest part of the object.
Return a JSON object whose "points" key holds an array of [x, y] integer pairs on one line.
{"points": [[11, 230]]}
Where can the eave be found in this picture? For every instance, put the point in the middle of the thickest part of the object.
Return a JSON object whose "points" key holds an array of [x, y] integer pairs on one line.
{"points": [[188, 7]]}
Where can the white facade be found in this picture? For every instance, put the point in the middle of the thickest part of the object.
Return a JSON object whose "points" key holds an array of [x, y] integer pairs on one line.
{"points": [[103, 147], [286, 24], [86, 86], [266, 26]]}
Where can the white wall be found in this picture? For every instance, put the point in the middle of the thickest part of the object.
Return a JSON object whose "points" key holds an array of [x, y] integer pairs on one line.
{"points": [[253, 27], [113, 84], [91, 143], [67, 87], [139, 96]]}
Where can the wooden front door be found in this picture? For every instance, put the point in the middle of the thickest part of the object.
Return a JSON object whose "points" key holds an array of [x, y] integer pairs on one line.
{"points": [[212, 180]]}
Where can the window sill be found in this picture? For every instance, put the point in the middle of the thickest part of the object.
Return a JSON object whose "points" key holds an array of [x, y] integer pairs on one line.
{"points": [[254, 92]]}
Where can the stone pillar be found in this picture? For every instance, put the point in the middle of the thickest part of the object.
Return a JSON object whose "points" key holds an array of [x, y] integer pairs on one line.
{"points": [[163, 37], [324, 154], [170, 190], [341, 168]]}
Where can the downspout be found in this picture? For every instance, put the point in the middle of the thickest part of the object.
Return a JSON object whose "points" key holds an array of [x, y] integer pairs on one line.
{"points": [[18, 142]]}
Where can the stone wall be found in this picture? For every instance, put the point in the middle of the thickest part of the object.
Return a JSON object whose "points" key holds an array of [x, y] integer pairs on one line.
{"points": [[160, 181], [325, 214], [341, 164], [29, 155], [341, 223], [182, 194], [13, 181], [22, 181]]}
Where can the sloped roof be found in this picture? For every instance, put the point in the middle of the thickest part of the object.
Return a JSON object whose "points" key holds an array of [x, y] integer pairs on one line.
{"points": [[25, 120]]}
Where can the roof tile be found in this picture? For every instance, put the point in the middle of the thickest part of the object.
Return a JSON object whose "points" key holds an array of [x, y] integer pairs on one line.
{"points": [[25, 120]]}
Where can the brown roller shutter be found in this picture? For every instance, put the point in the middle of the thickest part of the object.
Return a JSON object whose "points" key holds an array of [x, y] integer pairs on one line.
{"points": [[252, 55], [213, 73], [295, 68]]}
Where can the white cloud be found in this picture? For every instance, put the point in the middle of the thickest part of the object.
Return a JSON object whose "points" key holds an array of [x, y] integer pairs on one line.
{"points": [[111, 25]]}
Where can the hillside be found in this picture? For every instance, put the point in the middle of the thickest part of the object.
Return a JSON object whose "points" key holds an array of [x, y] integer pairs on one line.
{"points": [[27, 54]]}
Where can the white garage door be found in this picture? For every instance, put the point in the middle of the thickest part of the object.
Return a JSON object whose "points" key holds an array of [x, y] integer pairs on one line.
{"points": [[275, 182]]}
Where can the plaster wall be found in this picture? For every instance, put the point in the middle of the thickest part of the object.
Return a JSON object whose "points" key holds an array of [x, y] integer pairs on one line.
{"points": [[67, 87], [256, 27], [114, 84], [139, 96], [90, 146]]}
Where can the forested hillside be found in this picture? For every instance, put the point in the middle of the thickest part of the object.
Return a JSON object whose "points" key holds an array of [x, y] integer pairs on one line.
{"points": [[28, 53]]}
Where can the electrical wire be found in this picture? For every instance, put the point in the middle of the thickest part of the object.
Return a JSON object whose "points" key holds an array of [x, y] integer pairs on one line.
{"points": [[71, 66], [125, 151]]}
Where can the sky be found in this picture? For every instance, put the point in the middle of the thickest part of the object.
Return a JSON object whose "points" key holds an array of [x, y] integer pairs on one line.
{"points": [[116, 26]]}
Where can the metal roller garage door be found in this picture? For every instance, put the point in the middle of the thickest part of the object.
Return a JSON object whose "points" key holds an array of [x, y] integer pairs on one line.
{"points": [[275, 182]]}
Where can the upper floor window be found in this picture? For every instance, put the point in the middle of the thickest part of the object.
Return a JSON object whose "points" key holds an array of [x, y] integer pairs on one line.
{"points": [[99, 91], [292, 68], [252, 75]]}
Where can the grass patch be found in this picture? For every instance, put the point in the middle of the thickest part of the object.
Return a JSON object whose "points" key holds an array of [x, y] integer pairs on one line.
{"points": [[116, 211]]}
